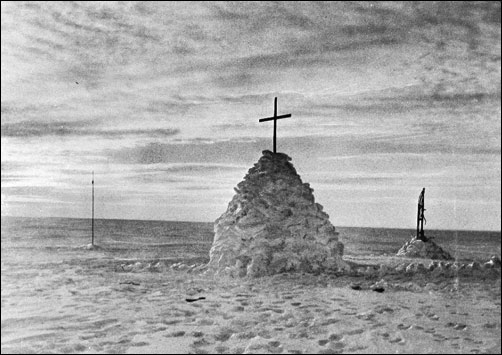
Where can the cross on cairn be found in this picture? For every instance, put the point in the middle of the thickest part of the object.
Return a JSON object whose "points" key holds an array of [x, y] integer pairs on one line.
{"points": [[275, 118]]}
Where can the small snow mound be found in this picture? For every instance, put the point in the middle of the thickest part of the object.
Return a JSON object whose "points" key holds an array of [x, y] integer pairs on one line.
{"points": [[417, 248], [91, 247]]}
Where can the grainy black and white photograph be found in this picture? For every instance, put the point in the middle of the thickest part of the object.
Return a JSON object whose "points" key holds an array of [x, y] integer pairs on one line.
{"points": [[250, 177]]}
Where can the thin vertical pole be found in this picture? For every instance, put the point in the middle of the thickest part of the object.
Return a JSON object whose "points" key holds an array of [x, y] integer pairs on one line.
{"points": [[418, 219], [275, 125], [422, 219], [92, 241]]}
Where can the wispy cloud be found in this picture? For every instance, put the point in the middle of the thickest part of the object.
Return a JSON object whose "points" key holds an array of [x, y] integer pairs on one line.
{"points": [[78, 128], [247, 151], [219, 152]]}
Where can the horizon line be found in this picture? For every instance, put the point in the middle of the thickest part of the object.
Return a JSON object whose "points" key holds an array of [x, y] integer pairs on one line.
{"points": [[166, 220]]}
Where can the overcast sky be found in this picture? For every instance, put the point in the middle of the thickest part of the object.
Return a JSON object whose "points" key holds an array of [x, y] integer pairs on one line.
{"points": [[162, 101]]}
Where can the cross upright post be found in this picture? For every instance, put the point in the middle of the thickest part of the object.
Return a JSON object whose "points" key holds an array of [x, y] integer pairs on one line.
{"points": [[275, 118]]}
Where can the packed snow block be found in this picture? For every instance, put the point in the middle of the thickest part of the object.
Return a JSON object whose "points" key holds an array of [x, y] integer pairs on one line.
{"points": [[273, 225]]}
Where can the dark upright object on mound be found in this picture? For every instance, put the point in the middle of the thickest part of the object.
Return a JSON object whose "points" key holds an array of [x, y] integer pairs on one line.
{"points": [[420, 217]]}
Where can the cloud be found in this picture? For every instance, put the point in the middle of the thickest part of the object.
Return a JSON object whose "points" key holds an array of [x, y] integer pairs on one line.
{"points": [[200, 168], [20, 109], [402, 104], [154, 153], [16, 171], [168, 106], [464, 38], [75, 128], [8, 166], [179, 172], [235, 45], [199, 188], [147, 177], [360, 180], [28, 191], [420, 143], [247, 151]]}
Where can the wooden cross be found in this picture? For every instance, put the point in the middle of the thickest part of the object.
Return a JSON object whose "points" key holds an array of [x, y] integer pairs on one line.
{"points": [[275, 118]]}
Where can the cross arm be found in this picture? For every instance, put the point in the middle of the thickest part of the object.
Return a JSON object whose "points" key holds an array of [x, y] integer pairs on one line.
{"points": [[274, 118]]}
